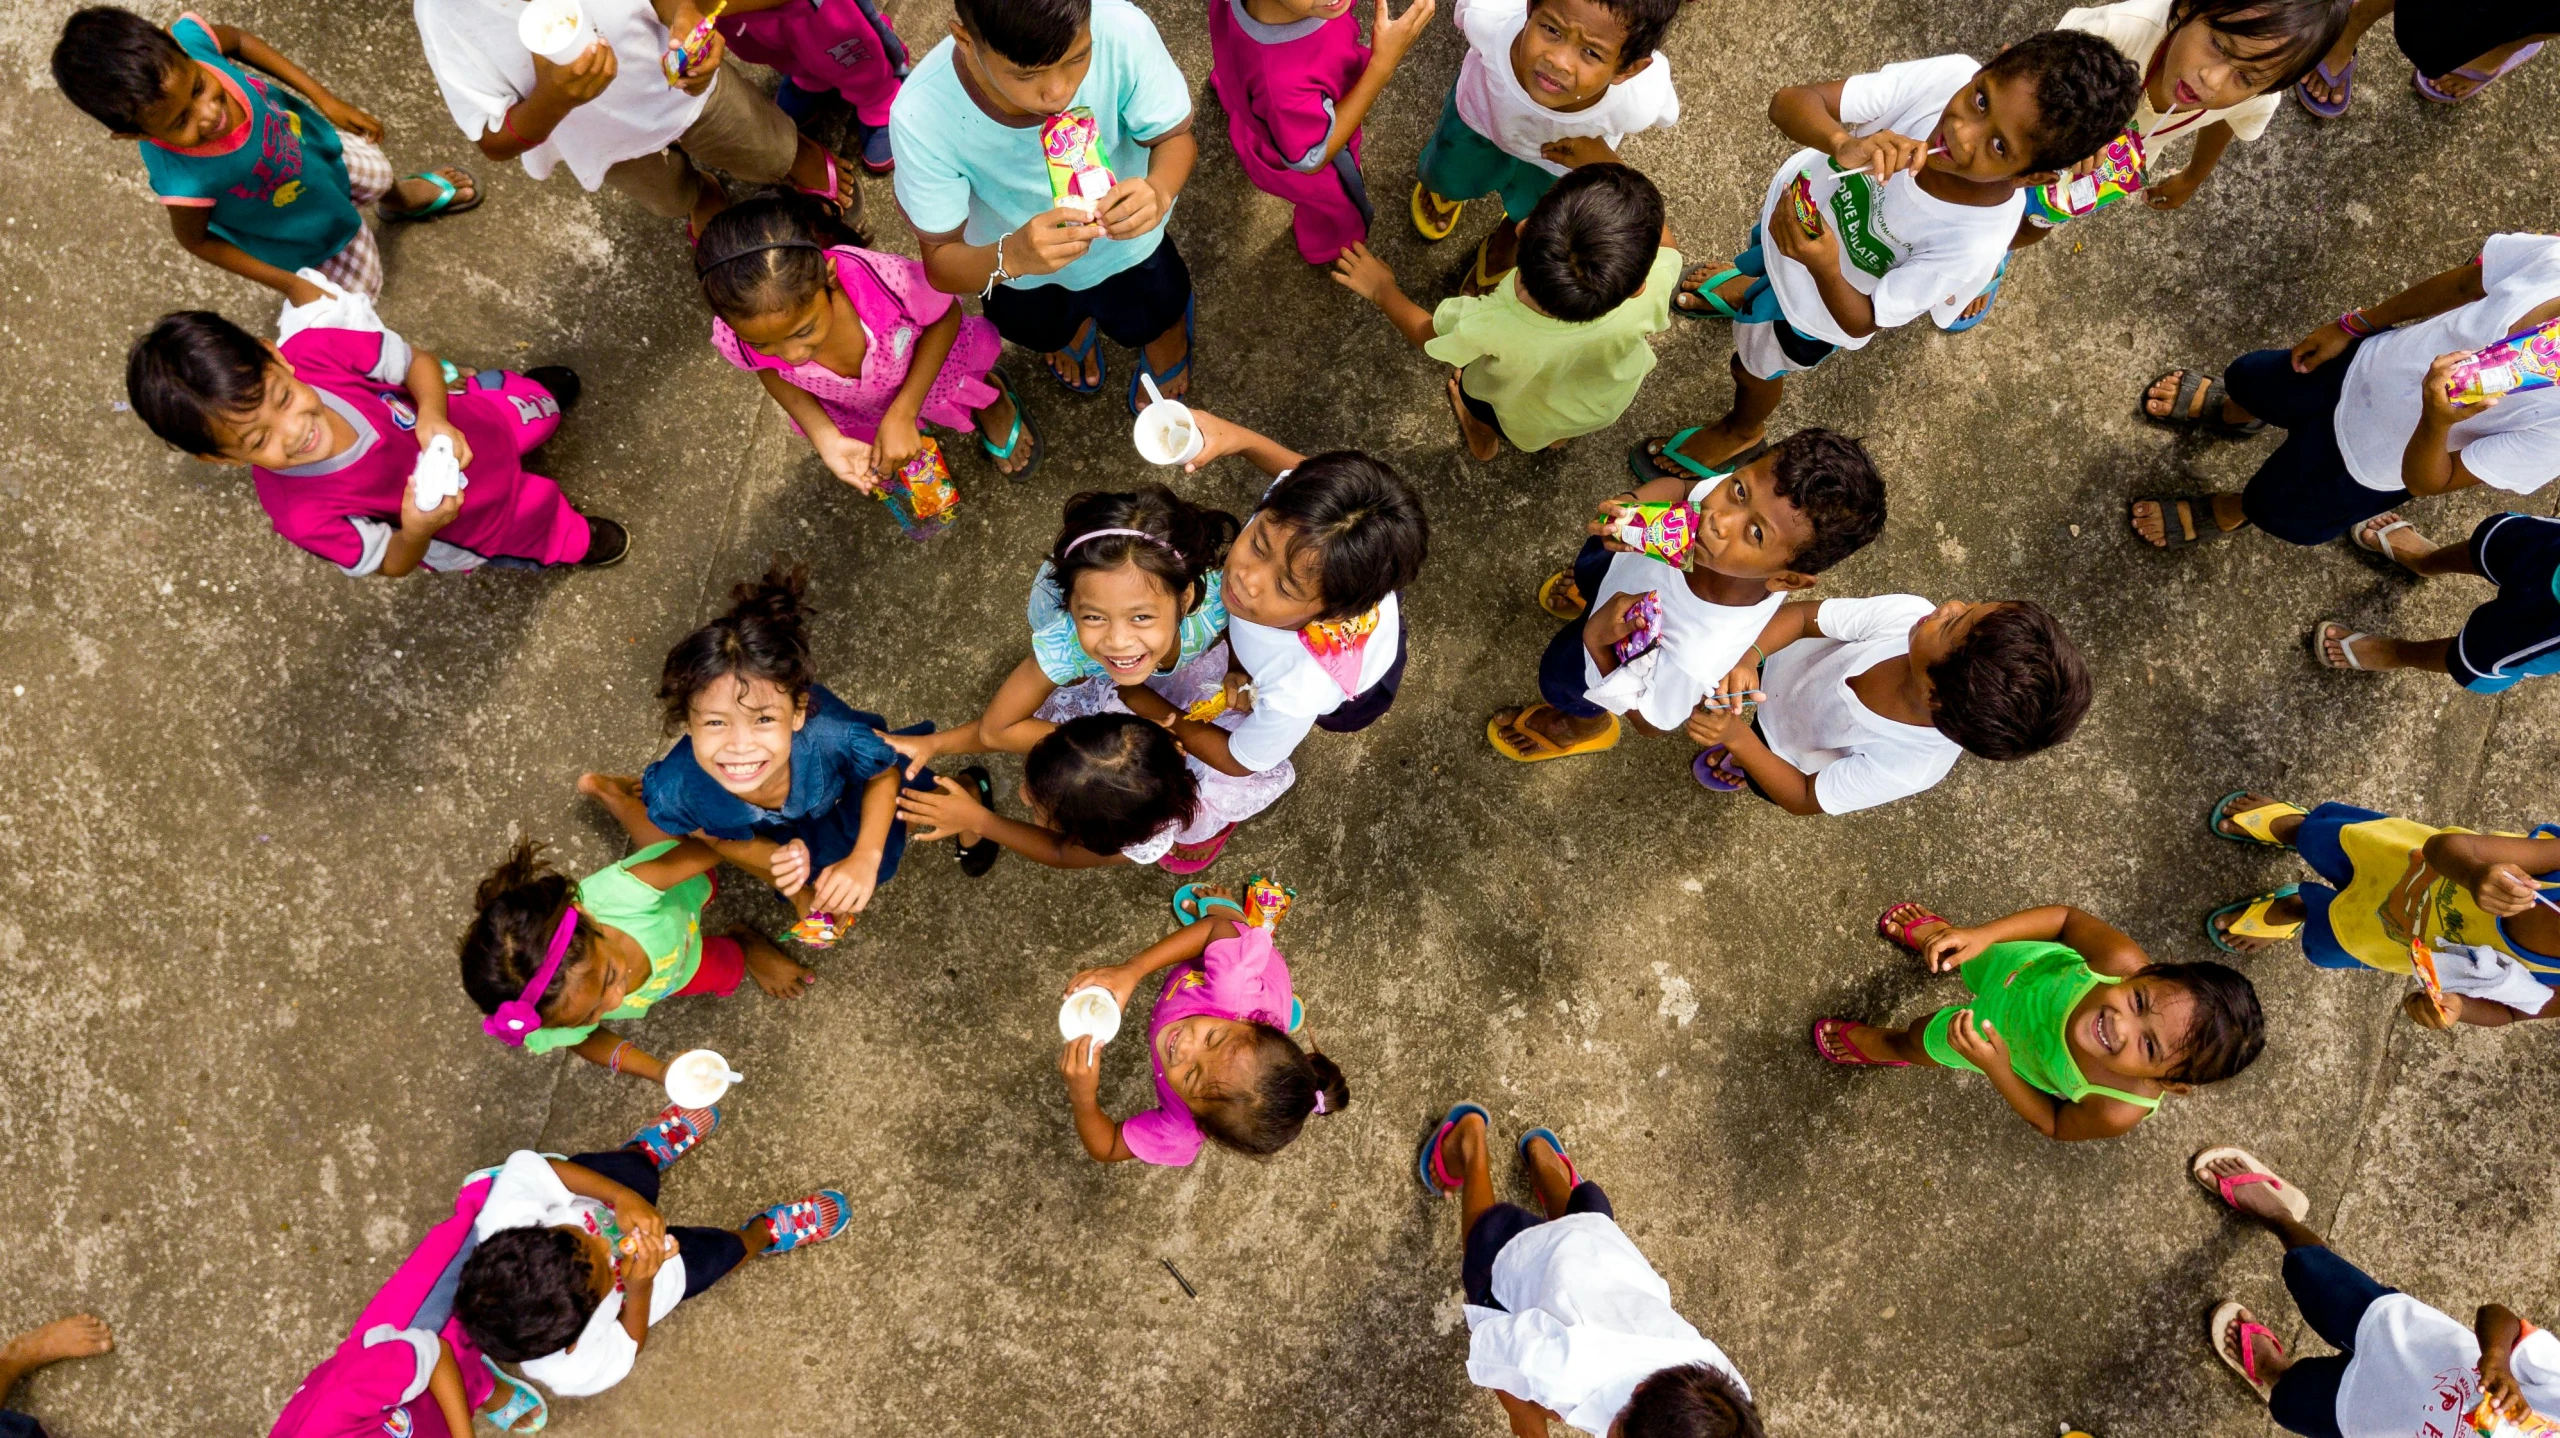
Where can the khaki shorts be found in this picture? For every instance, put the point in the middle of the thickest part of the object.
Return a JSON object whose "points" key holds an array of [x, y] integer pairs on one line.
{"points": [[739, 131]]}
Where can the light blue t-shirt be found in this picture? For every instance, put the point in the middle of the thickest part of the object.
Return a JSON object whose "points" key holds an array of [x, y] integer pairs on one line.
{"points": [[961, 170]]}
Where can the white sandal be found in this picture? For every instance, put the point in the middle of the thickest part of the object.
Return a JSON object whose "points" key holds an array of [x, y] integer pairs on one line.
{"points": [[2346, 646], [2373, 536]]}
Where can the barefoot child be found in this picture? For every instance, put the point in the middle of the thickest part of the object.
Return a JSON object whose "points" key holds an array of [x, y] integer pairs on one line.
{"points": [[2472, 898], [549, 962], [2512, 638], [1764, 531], [1902, 204], [1872, 700], [78, 1336], [2070, 1020], [331, 424], [1218, 1037], [849, 48], [1557, 348], [857, 346], [1297, 83], [1566, 1321], [262, 177]]}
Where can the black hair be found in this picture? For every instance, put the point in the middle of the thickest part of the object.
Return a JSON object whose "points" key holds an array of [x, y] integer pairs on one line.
{"points": [[765, 635], [1368, 531], [190, 370], [1190, 540], [1264, 1119], [2296, 32], [1590, 241], [1694, 1400], [2228, 1028], [2085, 92], [1647, 21], [114, 65], [526, 1293], [519, 905], [1030, 33], [769, 255], [2015, 686], [1107, 781], [1828, 475]]}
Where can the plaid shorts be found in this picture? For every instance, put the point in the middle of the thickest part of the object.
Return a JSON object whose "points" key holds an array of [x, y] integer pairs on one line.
{"points": [[358, 267]]}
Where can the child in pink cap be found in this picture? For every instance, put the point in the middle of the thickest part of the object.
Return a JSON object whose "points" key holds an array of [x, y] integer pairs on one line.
{"points": [[849, 47]]}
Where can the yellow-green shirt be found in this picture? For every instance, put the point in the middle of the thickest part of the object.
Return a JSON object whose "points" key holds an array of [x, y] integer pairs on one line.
{"points": [[1550, 379], [666, 922]]}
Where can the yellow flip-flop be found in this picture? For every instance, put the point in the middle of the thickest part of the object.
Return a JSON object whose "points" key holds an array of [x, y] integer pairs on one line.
{"points": [[2252, 922], [1546, 748], [1424, 202], [1549, 601], [2258, 823], [1479, 280]]}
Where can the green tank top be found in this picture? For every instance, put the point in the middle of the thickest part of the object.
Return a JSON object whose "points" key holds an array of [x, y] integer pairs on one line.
{"points": [[2028, 989]]}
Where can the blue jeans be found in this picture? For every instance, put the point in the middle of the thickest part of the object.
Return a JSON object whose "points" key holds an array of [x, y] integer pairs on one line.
{"points": [[2303, 493], [1560, 673], [2332, 1295]]}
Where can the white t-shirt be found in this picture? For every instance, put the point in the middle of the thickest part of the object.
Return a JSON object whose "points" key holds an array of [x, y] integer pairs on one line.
{"points": [[1493, 104], [1588, 1321], [1816, 722], [527, 1194], [2414, 1374], [1291, 691], [483, 69], [1902, 247], [1700, 644], [2515, 446], [2138, 28]]}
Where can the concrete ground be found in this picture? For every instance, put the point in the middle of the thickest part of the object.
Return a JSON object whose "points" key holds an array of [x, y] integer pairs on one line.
{"points": [[253, 796]]}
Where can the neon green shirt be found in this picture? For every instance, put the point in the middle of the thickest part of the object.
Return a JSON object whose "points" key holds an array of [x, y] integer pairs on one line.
{"points": [[667, 923]]}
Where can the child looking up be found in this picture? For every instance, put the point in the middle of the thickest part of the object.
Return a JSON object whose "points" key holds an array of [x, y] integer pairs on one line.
{"points": [[850, 48], [1566, 1321], [2070, 1020], [1872, 700], [1297, 83], [1225, 1065], [2391, 883], [331, 424], [856, 345], [549, 962], [1558, 348], [260, 177], [973, 182], [1764, 531], [1546, 85], [1902, 204]]}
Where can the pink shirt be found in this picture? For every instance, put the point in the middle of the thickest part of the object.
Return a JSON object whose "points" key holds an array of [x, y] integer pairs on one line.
{"points": [[895, 303], [1280, 84], [1242, 977], [848, 46]]}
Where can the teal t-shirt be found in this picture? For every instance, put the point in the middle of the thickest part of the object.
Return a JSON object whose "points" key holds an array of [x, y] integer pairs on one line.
{"points": [[277, 186], [962, 171]]}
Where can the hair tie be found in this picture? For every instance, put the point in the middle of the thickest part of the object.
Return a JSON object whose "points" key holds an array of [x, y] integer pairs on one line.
{"points": [[702, 267], [1319, 1102], [518, 1017], [1107, 533]]}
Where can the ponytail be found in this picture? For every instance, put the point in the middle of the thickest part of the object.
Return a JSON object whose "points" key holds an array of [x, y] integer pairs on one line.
{"points": [[519, 908], [764, 636]]}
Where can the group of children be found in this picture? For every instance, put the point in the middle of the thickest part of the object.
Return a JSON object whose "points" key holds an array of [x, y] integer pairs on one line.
{"points": [[1179, 654]]}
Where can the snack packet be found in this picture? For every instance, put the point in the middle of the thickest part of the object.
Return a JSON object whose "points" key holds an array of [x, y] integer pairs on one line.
{"points": [[2118, 173], [1208, 708], [1800, 200], [2422, 962], [921, 496], [1266, 901], [678, 61], [1072, 144], [2486, 1421], [2525, 360], [818, 931], [1646, 615], [1668, 532]]}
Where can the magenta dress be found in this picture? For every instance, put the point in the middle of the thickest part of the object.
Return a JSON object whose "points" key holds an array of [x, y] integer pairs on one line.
{"points": [[1280, 84], [895, 303], [1241, 977], [848, 46]]}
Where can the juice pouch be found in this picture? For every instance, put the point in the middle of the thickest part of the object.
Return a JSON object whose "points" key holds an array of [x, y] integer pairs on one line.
{"points": [[921, 496], [1072, 144], [1800, 200], [1208, 708], [1668, 532], [1646, 615], [2487, 1422], [2526, 360], [1265, 901], [2118, 173], [686, 50]]}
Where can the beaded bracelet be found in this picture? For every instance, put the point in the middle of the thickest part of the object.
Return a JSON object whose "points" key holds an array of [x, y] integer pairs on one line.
{"points": [[2355, 324]]}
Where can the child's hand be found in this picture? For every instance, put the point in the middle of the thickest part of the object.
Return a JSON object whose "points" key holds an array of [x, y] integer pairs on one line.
{"points": [[1815, 252], [896, 444], [1131, 208], [1218, 439], [1980, 1043], [790, 866], [429, 428], [1707, 727], [1239, 687], [2440, 406], [1609, 623], [1364, 274], [1881, 155], [347, 117], [2426, 1013], [1945, 951], [845, 886], [2506, 890], [1615, 511], [706, 62], [2319, 347], [917, 749], [582, 79], [847, 458], [2498, 1385], [644, 1232], [2171, 193], [1053, 241], [1081, 1066], [423, 523], [1389, 39], [942, 811], [1120, 979], [1575, 151]]}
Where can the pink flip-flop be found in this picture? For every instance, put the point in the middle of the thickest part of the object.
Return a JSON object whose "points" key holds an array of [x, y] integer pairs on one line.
{"points": [[2426, 88], [1831, 1040], [2227, 1185], [1201, 855], [2246, 1364]]}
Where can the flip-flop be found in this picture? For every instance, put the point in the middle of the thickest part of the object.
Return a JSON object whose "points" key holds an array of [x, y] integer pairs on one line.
{"points": [[981, 856], [1990, 292], [1546, 748], [830, 196], [1831, 1041], [1297, 1014], [448, 199], [1190, 906], [2196, 405], [1572, 1175], [1181, 367], [524, 1411], [2373, 536], [2342, 80], [1466, 437], [2194, 524], [1706, 290], [1077, 354], [2251, 921], [1426, 1160], [2258, 825], [1899, 932], [1647, 462], [2294, 1200], [1433, 231], [1479, 281], [1715, 768], [2346, 646], [2479, 82], [2246, 1364], [1549, 601], [1022, 429], [1204, 854]]}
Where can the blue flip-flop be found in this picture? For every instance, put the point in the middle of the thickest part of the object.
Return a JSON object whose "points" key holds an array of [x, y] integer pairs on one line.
{"points": [[1190, 906], [1990, 293], [1181, 367], [1572, 1175], [1297, 1014], [1426, 1160], [1089, 350]]}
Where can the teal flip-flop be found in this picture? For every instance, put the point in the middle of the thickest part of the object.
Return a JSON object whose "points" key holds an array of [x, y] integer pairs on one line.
{"points": [[1426, 1160], [1990, 293], [1181, 367], [524, 1411], [1023, 429], [1190, 906], [1707, 292], [448, 200]]}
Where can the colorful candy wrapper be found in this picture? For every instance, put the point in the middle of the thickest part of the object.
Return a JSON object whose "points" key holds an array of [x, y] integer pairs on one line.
{"points": [[679, 57], [921, 496], [818, 931], [2486, 1421], [1072, 144], [1265, 902], [1209, 708], [1646, 615], [2118, 173], [1668, 532], [1808, 214], [2422, 962], [2528, 359]]}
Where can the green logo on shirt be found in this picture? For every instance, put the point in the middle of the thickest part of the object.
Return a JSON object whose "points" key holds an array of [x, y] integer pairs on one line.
{"points": [[1863, 237]]}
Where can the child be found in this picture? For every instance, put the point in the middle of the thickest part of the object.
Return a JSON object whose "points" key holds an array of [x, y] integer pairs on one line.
{"points": [[1106, 788], [576, 1265], [1297, 83], [261, 177], [332, 423], [1854, 254], [1872, 700], [975, 183], [773, 771], [2402, 1368], [612, 115], [1765, 531], [1566, 1321], [549, 962], [2513, 637], [854, 344], [1545, 86], [848, 47], [1312, 592], [1559, 350], [2392, 883], [1225, 1064], [2070, 1020], [79, 1336], [2364, 405]]}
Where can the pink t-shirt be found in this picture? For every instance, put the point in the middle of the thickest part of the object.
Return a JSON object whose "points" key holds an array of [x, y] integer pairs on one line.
{"points": [[848, 46], [1280, 85], [1242, 977], [895, 303]]}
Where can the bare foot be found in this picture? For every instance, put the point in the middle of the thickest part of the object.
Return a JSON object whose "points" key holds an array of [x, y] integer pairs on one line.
{"points": [[1077, 374], [2152, 523], [773, 973], [2287, 910], [1484, 442], [1547, 1172], [1731, 291], [412, 195], [81, 1335]]}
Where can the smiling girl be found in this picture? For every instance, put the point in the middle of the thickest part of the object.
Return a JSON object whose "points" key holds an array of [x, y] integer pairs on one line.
{"points": [[2070, 1019], [1225, 1065]]}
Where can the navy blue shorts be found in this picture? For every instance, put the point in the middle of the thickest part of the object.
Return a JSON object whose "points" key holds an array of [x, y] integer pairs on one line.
{"points": [[2517, 634]]}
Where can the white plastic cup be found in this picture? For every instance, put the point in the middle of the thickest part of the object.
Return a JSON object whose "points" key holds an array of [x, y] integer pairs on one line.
{"points": [[1089, 1013], [699, 1078], [437, 476], [557, 30], [1167, 434]]}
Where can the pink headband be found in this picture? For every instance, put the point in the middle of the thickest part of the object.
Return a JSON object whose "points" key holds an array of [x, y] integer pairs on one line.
{"points": [[1107, 533], [518, 1016]]}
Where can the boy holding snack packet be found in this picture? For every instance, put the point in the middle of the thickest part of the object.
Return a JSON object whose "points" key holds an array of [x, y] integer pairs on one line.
{"points": [[1040, 148]]}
